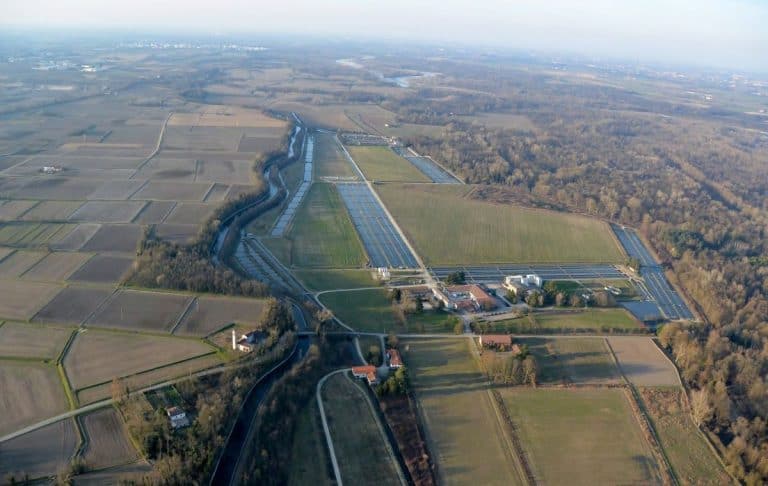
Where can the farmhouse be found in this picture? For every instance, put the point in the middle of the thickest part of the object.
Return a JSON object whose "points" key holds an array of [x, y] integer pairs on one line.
{"points": [[178, 417], [499, 342], [465, 298], [367, 373], [247, 342], [395, 361]]}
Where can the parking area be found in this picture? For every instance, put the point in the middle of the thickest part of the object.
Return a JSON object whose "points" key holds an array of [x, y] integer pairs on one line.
{"points": [[666, 298], [428, 167], [496, 273], [293, 206], [382, 242]]}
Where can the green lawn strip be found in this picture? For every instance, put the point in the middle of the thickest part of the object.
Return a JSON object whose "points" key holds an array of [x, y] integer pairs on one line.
{"points": [[448, 228], [382, 164], [309, 462], [581, 436], [322, 234], [332, 279], [330, 160], [360, 448], [370, 310]]}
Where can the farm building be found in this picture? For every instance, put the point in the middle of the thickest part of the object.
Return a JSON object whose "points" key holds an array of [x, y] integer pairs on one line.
{"points": [[178, 417], [367, 373], [499, 342], [521, 284], [465, 298], [395, 361], [248, 342]]}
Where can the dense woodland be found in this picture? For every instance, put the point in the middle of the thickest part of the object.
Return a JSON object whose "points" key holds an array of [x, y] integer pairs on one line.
{"points": [[693, 180]]}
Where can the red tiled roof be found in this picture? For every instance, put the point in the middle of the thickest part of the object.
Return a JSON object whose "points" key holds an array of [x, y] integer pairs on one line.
{"points": [[501, 339]]}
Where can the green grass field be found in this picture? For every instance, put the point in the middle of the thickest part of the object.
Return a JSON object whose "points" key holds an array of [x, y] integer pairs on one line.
{"points": [[330, 160], [328, 279], [466, 438], [448, 228], [381, 164], [565, 321], [322, 234], [308, 455], [360, 448], [692, 461], [572, 360], [370, 310], [581, 436]]}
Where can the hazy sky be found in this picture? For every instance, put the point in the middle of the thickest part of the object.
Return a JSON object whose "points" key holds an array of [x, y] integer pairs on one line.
{"points": [[730, 33]]}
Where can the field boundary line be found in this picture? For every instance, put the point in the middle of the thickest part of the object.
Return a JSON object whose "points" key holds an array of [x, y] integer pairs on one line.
{"points": [[514, 438], [157, 146], [210, 188], [68, 390], [183, 314], [101, 305], [326, 429]]}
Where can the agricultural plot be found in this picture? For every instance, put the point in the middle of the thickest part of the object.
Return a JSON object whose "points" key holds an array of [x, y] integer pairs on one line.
{"points": [[32, 342], [107, 440], [381, 239], [382, 164], [19, 262], [56, 266], [319, 116], [168, 169], [360, 446], [308, 456], [139, 310], [642, 362], [98, 357], [261, 144], [108, 211], [226, 116], [103, 269], [129, 474], [581, 436], [322, 234], [209, 314], [217, 193], [56, 188], [173, 191], [178, 370], [202, 138], [21, 300], [448, 228], [692, 460], [72, 305], [572, 360], [190, 213], [31, 392], [116, 190], [154, 212], [41, 453], [114, 237], [33, 234], [51, 211], [319, 280], [466, 438], [13, 209], [77, 237], [91, 165], [330, 160], [225, 171]]}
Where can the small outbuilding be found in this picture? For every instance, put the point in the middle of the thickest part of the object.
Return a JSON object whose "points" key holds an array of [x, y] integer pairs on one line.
{"points": [[395, 361], [178, 417]]}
